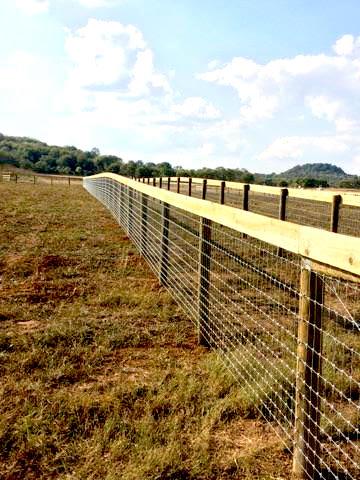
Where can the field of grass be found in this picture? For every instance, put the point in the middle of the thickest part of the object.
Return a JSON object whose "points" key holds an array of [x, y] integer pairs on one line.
{"points": [[101, 376]]}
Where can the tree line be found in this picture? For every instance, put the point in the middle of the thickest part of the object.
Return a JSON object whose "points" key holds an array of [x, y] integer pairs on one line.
{"points": [[31, 154]]}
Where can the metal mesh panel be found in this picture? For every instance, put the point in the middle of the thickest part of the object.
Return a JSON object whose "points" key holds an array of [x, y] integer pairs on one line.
{"points": [[288, 332]]}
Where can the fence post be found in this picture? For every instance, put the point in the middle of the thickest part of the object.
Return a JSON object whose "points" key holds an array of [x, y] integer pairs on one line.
{"points": [[34, 179], [335, 208], [245, 203], [282, 212], [222, 193], [307, 446], [154, 182], [178, 185], [190, 184], [204, 279], [164, 267], [69, 181], [143, 243], [168, 183], [160, 182], [148, 180], [204, 189]]}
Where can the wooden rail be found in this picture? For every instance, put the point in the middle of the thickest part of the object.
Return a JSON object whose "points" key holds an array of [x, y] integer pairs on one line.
{"points": [[348, 198], [336, 250]]}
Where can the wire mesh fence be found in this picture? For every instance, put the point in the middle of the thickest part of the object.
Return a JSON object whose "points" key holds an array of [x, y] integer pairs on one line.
{"points": [[287, 329]]}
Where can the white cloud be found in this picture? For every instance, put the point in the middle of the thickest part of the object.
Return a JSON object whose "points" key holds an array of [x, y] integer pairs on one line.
{"points": [[196, 107], [347, 45], [294, 147], [98, 3], [32, 7], [108, 54]]}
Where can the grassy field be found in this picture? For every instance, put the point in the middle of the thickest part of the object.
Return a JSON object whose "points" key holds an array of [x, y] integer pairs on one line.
{"points": [[101, 374]]}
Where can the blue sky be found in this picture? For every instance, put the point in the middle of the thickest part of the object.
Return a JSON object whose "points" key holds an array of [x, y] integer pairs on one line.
{"points": [[261, 84]]}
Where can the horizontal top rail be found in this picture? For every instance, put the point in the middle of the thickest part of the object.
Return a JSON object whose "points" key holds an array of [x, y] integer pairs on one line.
{"points": [[348, 198], [336, 250]]}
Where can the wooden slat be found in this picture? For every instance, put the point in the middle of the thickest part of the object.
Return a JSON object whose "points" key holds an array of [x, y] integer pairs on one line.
{"points": [[327, 195], [337, 250]]}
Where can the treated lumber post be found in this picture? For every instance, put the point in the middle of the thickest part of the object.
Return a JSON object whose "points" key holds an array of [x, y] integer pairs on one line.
{"points": [[204, 188], [245, 203], [143, 243], [154, 182], [164, 266], [204, 280], [160, 182], [307, 446], [222, 193], [143, 179], [335, 210], [148, 181], [178, 185], [190, 185], [282, 212], [168, 183]]}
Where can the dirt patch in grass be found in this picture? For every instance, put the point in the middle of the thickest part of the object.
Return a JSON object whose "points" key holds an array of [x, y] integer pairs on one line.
{"points": [[101, 373]]}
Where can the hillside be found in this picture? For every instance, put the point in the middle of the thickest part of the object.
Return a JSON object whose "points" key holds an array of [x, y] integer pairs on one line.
{"points": [[315, 170]]}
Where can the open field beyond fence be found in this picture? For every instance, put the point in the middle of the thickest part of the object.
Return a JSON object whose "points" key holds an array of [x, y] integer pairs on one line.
{"points": [[101, 374]]}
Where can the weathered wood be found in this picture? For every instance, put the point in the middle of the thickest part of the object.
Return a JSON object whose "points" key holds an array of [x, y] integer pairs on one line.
{"points": [[282, 212], [337, 250], [222, 193], [204, 281], [307, 445], [245, 202], [164, 265], [335, 210], [204, 187]]}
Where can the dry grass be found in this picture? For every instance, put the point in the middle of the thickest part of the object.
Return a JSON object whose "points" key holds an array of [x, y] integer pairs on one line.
{"points": [[101, 374]]}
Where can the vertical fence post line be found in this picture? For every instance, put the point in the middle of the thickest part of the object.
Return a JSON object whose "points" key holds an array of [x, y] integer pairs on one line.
{"points": [[160, 182], [222, 193], [245, 202], [190, 185], [335, 210], [34, 179], [148, 181], [178, 185], [204, 279], [168, 183], [164, 266], [282, 212], [143, 243], [154, 182], [307, 447], [204, 189]]}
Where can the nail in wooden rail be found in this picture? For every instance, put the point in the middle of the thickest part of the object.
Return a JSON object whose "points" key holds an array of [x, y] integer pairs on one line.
{"points": [[164, 267], [307, 448]]}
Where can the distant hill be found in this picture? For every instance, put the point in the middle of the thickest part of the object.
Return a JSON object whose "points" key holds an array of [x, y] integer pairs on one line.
{"points": [[325, 171]]}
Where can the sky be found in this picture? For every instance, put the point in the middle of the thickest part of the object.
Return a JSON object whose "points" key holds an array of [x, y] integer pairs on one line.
{"points": [[257, 84]]}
